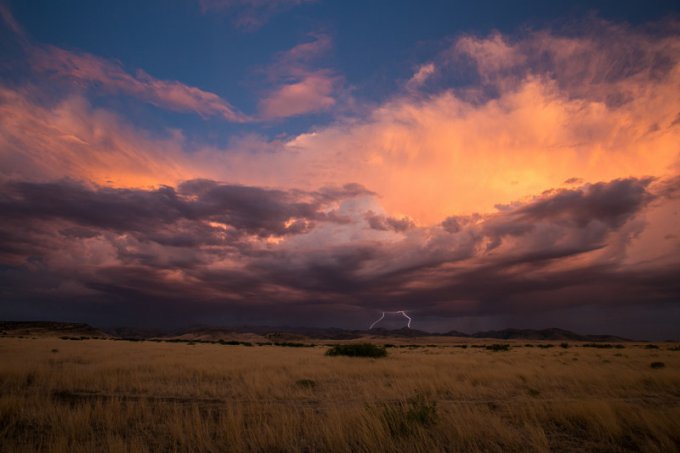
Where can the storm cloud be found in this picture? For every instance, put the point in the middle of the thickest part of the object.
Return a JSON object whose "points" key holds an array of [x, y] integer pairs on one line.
{"points": [[207, 247]]}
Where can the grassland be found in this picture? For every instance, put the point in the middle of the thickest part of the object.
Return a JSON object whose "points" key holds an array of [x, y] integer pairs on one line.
{"points": [[102, 395]]}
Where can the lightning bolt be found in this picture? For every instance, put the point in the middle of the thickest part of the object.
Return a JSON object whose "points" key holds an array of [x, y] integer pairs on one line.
{"points": [[376, 322], [400, 312]]}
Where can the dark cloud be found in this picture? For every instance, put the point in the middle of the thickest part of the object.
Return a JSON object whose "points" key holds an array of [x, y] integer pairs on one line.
{"points": [[210, 249], [611, 203], [249, 210], [387, 223]]}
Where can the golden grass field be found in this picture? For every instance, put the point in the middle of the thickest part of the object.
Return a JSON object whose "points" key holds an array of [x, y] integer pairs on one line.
{"points": [[102, 395]]}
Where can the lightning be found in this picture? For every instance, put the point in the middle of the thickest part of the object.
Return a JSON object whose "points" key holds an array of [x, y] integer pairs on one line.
{"points": [[376, 322], [400, 312]]}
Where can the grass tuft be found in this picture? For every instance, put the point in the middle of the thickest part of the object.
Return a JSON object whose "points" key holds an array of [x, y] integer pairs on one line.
{"points": [[306, 383], [405, 418]]}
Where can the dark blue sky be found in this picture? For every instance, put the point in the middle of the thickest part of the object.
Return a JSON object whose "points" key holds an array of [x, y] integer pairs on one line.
{"points": [[375, 45]]}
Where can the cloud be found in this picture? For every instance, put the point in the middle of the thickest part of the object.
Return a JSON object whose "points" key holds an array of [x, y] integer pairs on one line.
{"points": [[69, 138], [250, 14], [517, 194], [246, 210], [608, 203], [110, 76], [385, 223], [311, 94], [301, 89], [421, 75], [87, 70], [11, 23], [252, 249], [527, 113]]}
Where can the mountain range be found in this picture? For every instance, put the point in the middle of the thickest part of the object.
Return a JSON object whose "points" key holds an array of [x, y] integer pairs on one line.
{"points": [[287, 333]]}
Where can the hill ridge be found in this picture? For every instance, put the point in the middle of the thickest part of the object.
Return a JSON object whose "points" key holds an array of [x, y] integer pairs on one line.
{"points": [[289, 333]]}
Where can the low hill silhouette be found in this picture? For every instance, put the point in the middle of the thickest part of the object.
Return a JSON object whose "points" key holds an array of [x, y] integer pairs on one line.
{"points": [[283, 333], [48, 328]]}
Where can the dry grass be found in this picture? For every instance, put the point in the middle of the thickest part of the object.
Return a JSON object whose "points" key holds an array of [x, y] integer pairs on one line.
{"points": [[101, 395]]}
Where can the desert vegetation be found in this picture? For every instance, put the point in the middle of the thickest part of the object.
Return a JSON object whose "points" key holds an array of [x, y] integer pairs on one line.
{"points": [[100, 395], [357, 350]]}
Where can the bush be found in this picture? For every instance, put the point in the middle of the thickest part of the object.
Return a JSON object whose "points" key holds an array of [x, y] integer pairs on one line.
{"points": [[357, 350], [288, 344], [498, 347], [603, 346], [657, 365]]}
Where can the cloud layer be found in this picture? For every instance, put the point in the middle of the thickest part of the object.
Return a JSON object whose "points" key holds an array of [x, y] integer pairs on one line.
{"points": [[512, 176]]}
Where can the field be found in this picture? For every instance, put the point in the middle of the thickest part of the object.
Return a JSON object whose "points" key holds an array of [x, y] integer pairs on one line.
{"points": [[103, 395]]}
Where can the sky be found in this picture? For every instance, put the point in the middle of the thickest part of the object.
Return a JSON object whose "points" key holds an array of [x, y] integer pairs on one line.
{"points": [[477, 165]]}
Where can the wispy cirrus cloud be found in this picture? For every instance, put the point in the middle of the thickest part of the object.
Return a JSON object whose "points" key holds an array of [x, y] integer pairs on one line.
{"points": [[110, 76], [250, 14]]}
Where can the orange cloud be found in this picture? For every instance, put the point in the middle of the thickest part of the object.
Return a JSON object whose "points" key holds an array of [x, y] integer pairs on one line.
{"points": [[304, 90], [70, 139], [311, 94], [459, 151]]}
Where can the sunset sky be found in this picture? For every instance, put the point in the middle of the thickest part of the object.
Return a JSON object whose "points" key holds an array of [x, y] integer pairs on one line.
{"points": [[479, 165]]}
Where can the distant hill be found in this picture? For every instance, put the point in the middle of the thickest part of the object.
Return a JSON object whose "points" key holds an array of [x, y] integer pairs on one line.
{"points": [[283, 334], [48, 328], [544, 334], [404, 332], [288, 333]]}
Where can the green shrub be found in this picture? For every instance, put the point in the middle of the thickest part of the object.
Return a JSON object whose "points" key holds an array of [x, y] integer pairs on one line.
{"points": [[357, 350], [603, 346], [289, 344]]}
